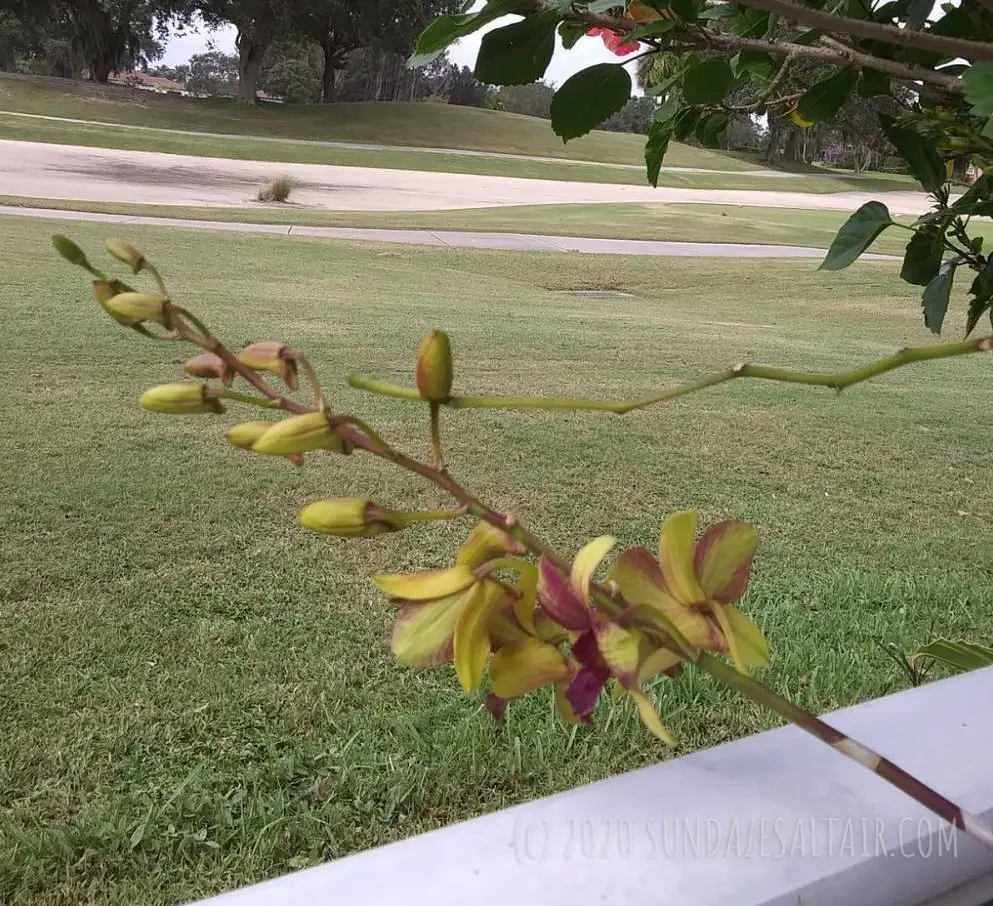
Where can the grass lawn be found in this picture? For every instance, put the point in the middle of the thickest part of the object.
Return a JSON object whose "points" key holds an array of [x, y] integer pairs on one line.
{"points": [[198, 695], [411, 124], [672, 222]]}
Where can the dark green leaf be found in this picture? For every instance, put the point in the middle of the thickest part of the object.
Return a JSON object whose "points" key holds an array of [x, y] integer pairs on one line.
{"points": [[920, 154], [604, 6], [917, 12], [710, 130], [977, 308], [936, 296], [570, 34], [960, 655], [652, 29], [757, 63], [823, 100], [874, 84], [749, 23], [588, 98], [923, 257], [446, 29], [983, 284], [707, 82], [517, 54], [857, 234], [808, 37], [978, 83], [659, 134], [687, 10], [685, 122]]}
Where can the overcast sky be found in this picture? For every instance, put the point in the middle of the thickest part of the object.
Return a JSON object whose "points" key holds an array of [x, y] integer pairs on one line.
{"points": [[587, 52]]}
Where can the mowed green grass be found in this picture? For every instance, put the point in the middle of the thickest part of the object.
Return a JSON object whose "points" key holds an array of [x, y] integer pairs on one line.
{"points": [[427, 125], [197, 694], [666, 222]]}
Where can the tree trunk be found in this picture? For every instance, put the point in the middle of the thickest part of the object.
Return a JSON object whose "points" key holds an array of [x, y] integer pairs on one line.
{"points": [[250, 54], [100, 70], [328, 80]]}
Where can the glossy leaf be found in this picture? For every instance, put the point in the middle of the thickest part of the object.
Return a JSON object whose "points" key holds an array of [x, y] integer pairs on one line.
{"points": [[959, 655], [446, 29], [922, 157], [707, 82], [922, 260], [936, 296], [822, 101], [659, 136], [856, 235], [588, 98], [978, 84], [517, 54]]}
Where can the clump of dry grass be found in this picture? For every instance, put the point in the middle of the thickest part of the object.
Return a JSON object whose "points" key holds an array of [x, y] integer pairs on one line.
{"points": [[277, 189]]}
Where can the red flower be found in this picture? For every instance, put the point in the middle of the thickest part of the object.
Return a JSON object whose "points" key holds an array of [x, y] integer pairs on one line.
{"points": [[614, 41]]}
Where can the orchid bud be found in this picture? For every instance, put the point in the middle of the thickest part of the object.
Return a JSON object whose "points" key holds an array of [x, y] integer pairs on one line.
{"points": [[179, 399], [70, 251], [434, 367], [104, 291], [246, 434], [346, 517], [299, 434], [134, 307], [270, 356], [125, 253], [209, 365]]}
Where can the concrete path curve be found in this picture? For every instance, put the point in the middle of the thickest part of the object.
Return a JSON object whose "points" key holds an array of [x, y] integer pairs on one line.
{"points": [[365, 146], [440, 238], [103, 174]]}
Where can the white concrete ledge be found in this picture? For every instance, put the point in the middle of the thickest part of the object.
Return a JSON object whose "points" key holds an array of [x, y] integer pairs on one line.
{"points": [[776, 818]]}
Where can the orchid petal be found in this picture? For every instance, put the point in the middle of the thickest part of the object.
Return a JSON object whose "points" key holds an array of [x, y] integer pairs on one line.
{"points": [[559, 600], [650, 717], [519, 668], [643, 586], [426, 586], [564, 706], [527, 592], [753, 650], [485, 542], [471, 641], [620, 648], [586, 562], [583, 691], [676, 557], [723, 560], [422, 632], [659, 661]]}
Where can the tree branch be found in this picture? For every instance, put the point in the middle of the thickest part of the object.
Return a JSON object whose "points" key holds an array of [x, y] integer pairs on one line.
{"points": [[874, 31]]}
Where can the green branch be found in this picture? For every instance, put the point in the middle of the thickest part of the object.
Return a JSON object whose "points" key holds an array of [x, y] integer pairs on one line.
{"points": [[836, 380]]}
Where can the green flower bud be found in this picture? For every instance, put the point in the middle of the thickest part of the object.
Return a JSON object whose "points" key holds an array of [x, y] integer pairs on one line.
{"points": [[346, 517], [134, 307], [179, 399], [300, 434], [246, 434], [104, 291], [70, 251], [434, 367], [125, 253]]}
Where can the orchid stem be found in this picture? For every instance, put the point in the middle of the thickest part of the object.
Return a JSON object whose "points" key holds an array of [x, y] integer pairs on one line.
{"points": [[836, 380]]}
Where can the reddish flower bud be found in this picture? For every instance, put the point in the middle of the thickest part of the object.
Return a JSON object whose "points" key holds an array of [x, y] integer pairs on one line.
{"points": [[434, 367], [270, 356], [208, 365]]}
